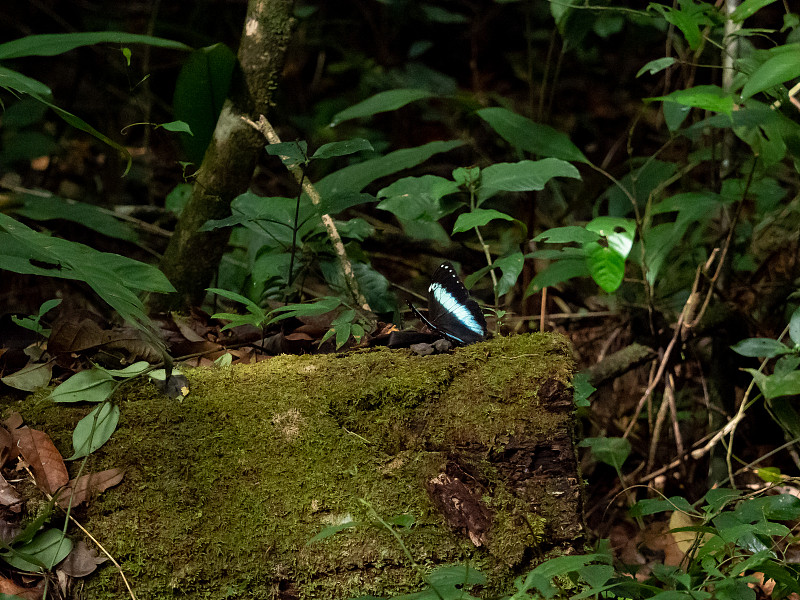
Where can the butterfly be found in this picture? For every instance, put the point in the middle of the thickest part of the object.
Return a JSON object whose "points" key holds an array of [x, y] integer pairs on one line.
{"points": [[451, 312]]}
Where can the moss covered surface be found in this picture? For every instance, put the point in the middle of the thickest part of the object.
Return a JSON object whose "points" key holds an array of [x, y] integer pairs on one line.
{"points": [[224, 489]]}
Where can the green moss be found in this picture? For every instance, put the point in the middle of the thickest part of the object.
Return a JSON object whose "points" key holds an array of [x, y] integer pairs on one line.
{"points": [[223, 489]]}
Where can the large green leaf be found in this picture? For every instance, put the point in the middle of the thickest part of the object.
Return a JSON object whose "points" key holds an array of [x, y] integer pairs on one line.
{"points": [[748, 8], [478, 218], [200, 92], [381, 102], [52, 44], [355, 178], [531, 137], [606, 266], [17, 82], [52, 207], [111, 276], [523, 176], [782, 67], [705, 97], [417, 197], [610, 450]]}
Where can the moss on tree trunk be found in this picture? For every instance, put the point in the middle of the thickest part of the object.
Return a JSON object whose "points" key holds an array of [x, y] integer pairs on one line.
{"points": [[224, 489]]}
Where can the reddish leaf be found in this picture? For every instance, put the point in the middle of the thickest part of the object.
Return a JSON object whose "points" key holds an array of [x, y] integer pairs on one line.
{"points": [[12, 589], [13, 421], [8, 494], [81, 561], [38, 450], [88, 486]]}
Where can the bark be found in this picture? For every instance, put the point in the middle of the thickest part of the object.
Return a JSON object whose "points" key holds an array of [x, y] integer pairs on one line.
{"points": [[192, 257]]}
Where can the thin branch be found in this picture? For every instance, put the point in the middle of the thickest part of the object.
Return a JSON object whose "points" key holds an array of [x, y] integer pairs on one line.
{"points": [[263, 126]]}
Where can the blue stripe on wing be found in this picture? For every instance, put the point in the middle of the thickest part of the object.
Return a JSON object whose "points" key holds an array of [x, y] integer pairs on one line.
{"points": [[455, 308]]}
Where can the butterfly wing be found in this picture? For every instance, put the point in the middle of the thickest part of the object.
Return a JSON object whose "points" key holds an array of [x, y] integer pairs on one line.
{"points": [[451, 311]]}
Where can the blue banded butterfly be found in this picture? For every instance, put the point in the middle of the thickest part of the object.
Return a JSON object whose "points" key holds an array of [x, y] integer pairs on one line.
{"points": [[451, 312]]}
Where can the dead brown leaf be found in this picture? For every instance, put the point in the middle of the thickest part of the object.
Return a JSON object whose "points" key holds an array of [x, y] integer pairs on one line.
{"points": [[8, 494], [38, 450], [81, 561], [6, 446], [9, 587], [87, 486], [13, 421]]}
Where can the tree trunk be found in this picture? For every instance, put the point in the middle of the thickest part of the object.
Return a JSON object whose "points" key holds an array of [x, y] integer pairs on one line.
{"points": [[192, 257]]}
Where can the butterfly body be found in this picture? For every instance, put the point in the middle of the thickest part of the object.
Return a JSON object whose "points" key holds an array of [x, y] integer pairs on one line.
{"points": [[451, 312]]}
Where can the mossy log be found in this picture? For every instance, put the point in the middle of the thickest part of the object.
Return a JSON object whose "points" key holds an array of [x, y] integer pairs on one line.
{"points": [[224, 489]]}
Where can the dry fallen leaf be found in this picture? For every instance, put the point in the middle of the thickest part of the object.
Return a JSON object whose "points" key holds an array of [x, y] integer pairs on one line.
{"points": [[87, 486], [81, 561], [38, 450], [9, 587], [8, 494]]}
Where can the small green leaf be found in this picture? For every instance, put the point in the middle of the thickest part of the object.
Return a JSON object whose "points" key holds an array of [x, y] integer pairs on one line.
{"points": [[381, 102], [657, 65], [93, 385], [609, 450], [478, 218], [582, 389], [760, 347], [566, 235], [331, 530], [94, 430], [653, 506], [343, 148], [511, 267], [180, 126], [557, 272], [794, 326], [290, 153]]}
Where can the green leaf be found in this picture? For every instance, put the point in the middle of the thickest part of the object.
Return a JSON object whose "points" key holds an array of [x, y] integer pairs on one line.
{"points": [[92, 385], [528, 136], [653, 506], [332, 530], [522, 176], [381, 102], [657, 65], [45, 550], [111, 276], [179, 126], [478, 218], [343, 148], [582, 389], [355, 178], [290, 153], [775, 386], [704, 97], [782, 67], [606, 266], [748, 8], [52, 44], [612, 451], [17, 82], [200, 91], [94, 430], [756, 347], [46, 208], [510, 266], [717, 498], [794, 326], [30, 377], [558, 272], [414, 198], [320, 306], [566, 235], [618, 232], [688, 17]]}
